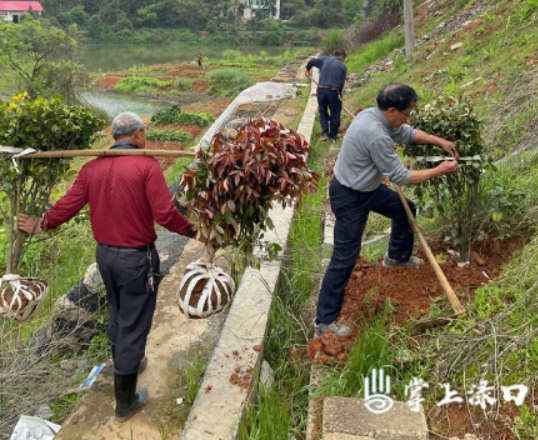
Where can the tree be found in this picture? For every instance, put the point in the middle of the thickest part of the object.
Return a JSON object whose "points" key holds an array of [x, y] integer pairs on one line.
{"points": [[40, 54], [44, 124], [409, 25], [459, 197]]}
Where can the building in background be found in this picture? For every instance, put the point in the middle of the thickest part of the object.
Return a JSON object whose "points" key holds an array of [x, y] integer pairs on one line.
{"points": [[11, 11], [252, 6]]}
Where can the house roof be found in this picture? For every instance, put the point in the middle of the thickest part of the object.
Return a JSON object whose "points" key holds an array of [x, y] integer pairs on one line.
{"points": [[20, 6]]}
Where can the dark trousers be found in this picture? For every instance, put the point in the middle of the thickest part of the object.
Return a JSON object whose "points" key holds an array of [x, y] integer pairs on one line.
{"points": [[130, 301], [330, 107], [351, 209]]}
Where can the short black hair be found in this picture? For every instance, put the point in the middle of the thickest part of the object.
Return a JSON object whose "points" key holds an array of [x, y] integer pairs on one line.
{"points": [[399, 96], [340, 53]]}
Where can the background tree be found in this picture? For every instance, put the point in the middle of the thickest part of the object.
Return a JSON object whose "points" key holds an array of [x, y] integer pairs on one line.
{"points": [[41, 57]]}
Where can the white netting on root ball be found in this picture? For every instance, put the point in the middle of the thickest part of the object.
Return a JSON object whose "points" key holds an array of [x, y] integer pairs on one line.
{"points": [[204, 290], [20, 297]]}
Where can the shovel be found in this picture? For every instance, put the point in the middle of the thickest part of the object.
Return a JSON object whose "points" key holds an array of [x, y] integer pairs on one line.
{"points": [[459, 310]]}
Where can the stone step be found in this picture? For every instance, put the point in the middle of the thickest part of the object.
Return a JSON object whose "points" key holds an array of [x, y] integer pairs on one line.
{"points": [[346, 418]]}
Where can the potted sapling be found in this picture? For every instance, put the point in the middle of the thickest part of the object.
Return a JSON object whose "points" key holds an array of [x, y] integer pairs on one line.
{"points": [[229, 190], [26, 185]]}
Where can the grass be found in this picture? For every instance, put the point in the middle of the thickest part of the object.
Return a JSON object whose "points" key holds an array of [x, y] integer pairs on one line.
{"points": [[193, 375], [372, 350], [145, 84], [284, 406]]}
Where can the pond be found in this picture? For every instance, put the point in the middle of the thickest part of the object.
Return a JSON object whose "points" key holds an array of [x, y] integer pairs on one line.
{"points": [[112, 58], [121, 57], [114, 104]]}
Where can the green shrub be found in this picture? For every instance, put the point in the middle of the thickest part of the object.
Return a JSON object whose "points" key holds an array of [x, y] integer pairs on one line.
{"points": [[174, 115], [184, 83], [457, 197], [168, 134], [227, 82], [44, 124], [335, 37], [167, 116]]}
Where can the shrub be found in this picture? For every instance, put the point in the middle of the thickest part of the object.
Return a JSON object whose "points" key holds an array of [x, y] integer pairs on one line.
{"points": [[334, 38], [227, 82], [167, 116], [456, 197], [42, 124]]}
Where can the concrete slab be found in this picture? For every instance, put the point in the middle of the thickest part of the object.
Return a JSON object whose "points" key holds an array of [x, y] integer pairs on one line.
{"points": [[346, 418]]}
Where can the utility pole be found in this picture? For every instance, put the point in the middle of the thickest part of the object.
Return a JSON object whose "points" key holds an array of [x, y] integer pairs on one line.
{"points": [[409, 26]]}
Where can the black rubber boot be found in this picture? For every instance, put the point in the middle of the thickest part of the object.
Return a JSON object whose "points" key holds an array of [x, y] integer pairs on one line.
{"points": [[129, 399]]}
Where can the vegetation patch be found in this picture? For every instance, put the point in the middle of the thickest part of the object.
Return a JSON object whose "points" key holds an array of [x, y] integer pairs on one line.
{"points": [[174, 115], [168, 134], [227, 82], [139, 85]]}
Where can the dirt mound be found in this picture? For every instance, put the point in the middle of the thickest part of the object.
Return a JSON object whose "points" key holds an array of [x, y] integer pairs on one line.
{"points": [[110, 81], [412, 291]]}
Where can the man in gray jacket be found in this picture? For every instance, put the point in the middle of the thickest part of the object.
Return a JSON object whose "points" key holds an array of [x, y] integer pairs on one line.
{"points": [[367, 155]]}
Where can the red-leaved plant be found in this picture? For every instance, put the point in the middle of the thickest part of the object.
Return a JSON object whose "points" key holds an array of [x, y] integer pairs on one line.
{"points": [[232, 184]]}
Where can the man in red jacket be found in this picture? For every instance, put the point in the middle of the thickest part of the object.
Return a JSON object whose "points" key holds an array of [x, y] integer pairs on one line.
{"points": [[126, 194]]}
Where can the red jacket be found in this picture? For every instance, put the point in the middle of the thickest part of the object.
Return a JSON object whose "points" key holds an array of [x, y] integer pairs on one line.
{"points": [[127, 194]]}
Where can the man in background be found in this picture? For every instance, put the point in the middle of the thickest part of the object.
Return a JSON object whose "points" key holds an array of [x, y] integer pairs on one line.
{"points": [[126, 194], [332, 77]]}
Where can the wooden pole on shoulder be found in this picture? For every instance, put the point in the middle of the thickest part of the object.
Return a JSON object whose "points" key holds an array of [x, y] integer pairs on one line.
{"points": [[114, 152]]}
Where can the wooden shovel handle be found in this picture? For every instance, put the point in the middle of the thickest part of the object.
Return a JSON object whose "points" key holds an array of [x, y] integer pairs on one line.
{"points": [[454, 301]]}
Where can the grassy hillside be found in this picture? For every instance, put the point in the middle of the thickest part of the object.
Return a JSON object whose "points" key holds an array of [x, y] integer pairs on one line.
{"points": [[487, 51]]}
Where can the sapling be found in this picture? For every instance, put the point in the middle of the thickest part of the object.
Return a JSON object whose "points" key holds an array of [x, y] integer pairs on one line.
{"points": [[40, 124], [456, 197], [232, 184]]}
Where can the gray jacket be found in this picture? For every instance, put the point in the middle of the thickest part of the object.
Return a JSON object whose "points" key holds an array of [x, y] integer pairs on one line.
{"points": [[368, 154]]}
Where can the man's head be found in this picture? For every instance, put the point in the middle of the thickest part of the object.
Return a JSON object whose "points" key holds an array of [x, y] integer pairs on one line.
{"points": [[397, 101], [340, 54], [129, 127]]}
